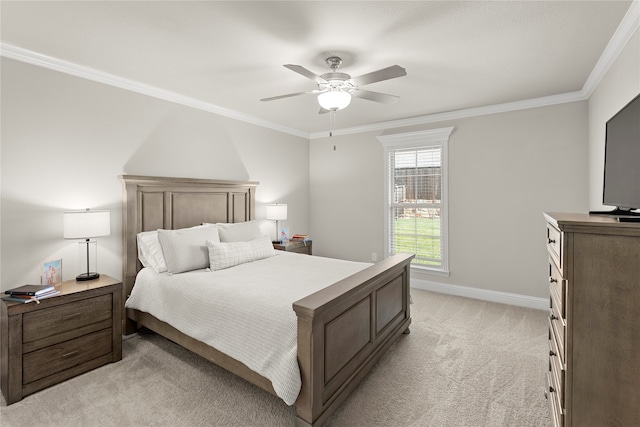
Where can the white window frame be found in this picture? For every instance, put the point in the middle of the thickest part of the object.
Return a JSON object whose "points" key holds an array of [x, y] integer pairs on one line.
{"points": [[411, 140]]}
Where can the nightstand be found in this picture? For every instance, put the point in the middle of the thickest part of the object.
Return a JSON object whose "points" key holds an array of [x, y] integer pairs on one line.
{"points": [[294, 246], [62, 337]]}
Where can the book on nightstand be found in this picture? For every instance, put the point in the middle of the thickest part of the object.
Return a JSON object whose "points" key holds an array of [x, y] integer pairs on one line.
{"points": [[30, 293], [30, 290], [30, 298]]}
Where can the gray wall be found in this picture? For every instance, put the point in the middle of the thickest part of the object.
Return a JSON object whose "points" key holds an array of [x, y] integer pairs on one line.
{"points": [[504, 171], [65, 140]]}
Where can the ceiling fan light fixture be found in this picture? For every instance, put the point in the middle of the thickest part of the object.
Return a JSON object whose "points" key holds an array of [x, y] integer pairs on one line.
{"points": [[334, 100]]}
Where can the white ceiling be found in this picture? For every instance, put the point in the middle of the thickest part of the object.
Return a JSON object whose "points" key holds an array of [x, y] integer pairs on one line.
{"points": [[225, 56]]}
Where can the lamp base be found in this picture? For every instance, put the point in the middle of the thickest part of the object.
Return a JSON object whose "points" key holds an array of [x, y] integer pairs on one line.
{"points": [[87, 276]]}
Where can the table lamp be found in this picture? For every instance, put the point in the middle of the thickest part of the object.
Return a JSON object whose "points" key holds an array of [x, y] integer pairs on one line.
{"points": [[85, 225], [277, 212]]}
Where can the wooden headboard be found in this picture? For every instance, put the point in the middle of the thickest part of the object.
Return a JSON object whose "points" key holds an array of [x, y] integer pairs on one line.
{"points": [[150, 203]]}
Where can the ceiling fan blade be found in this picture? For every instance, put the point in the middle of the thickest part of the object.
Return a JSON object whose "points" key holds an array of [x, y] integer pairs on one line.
{"points": [[377, 76], [289, 95], [375, 96], [303, 71]]}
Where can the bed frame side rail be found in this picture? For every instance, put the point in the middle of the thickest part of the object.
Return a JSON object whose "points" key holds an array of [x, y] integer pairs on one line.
{"points": [[344, 329]]}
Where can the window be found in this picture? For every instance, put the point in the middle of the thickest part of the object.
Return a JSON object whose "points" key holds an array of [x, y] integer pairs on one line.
{"points": [[416, 196]]}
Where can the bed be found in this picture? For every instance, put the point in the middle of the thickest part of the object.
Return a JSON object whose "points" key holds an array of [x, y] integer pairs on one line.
{"points": [[341, 330]]}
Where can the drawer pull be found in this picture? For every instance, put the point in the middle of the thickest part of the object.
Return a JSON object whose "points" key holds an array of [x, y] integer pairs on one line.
{"points": [[553, 317], [551, 241], [71, 316], [72, 353], [551, 390], [552, 280], [552, 353]]}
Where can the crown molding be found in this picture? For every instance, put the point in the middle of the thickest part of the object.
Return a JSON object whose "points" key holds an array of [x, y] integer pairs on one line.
{"points": [[24, 55], [44, 61], [421, 136], [460, 114], [629, 24]]}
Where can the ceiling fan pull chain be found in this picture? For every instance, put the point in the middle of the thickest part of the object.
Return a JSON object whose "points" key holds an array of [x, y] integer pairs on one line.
{"points": [[331, 120]]}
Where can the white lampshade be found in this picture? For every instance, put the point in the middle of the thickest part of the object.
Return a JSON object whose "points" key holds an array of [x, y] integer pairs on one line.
{"points": [[86, 224], [334, 99], [277, 211]]}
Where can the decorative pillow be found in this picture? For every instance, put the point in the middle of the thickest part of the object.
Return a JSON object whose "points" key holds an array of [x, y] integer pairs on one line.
{"points": [[239, 231], [224, 255], [186, 249], [150, 251]]}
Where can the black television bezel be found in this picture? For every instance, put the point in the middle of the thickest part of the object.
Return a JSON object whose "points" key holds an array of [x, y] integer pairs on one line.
{"points": [[621, 211]]}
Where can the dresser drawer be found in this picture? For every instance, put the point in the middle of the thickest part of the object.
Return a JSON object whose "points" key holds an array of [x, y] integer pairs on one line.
{"points": [[50, 360], [557, 325], [554, 245], [557, 414], [67, 317], [557, 287], [556, 366]]}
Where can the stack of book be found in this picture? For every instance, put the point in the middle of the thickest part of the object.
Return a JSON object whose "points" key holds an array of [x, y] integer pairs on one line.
{"points": [[301, 238], [30, 293]]}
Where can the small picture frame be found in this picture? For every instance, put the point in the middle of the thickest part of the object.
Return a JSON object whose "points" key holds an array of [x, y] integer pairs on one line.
{"points": [[52, 272], [284, 234]]}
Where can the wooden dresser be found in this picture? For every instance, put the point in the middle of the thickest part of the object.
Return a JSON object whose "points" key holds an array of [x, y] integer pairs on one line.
{"points": [[594, 320], [66, 335]]}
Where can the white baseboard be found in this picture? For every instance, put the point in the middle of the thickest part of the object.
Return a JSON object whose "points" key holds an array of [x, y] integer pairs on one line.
{"points": [[482, 294]]}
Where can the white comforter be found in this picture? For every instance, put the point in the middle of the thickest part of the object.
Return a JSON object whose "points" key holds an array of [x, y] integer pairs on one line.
{"points": [[244, 311]]}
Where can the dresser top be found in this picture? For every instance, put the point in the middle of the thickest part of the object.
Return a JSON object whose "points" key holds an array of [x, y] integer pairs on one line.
{"points": [[582, 222]]}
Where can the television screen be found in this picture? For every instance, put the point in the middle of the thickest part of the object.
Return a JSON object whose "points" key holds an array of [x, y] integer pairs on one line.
{"points": [[622, 158]]}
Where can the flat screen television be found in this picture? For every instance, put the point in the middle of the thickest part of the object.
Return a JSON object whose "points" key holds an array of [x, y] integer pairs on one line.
{"points": [[621, 187]]}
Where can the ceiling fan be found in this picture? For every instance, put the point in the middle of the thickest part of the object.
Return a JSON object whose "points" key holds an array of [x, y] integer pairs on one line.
{"points": [[335, 89]]}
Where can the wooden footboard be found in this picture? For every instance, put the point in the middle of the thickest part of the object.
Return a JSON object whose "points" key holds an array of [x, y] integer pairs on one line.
{"points": [[344, 329]]}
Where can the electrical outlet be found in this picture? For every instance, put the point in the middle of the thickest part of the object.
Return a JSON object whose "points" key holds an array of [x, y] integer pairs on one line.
{"points": [[374, 256]]}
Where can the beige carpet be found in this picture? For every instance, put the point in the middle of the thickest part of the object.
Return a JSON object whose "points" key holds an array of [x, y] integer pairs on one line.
{"points": [[465, 363]]}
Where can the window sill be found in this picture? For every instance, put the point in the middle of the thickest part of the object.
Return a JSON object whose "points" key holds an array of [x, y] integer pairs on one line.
{"points": [[428, 270]]}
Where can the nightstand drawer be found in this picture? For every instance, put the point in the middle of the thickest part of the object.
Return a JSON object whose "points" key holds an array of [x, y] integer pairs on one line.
{"points": [[50, 360], [295, 246], [300, 250], [67, 317]]}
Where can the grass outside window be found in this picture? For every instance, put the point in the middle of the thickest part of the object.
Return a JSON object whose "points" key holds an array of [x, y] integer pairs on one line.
{"points": [[421, 236]]}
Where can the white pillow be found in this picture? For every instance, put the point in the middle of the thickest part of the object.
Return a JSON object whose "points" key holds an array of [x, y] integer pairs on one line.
{"points": [[239, 231], [150, 251], [186, 249], [224, 255]]}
